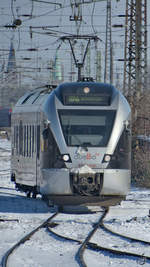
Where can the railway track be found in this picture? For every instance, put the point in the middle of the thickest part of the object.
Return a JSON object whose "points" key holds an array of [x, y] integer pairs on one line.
{"points": [[24, 239], [141, 258], [49, 224], [86, 242]]}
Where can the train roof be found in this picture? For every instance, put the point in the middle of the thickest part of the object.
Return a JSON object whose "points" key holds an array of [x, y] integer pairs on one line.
{"points": [[73, 88], [36, 96], [73, 93]]}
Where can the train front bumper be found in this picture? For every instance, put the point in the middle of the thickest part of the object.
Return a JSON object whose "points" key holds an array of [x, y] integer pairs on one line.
{"points": [[59, 181]]}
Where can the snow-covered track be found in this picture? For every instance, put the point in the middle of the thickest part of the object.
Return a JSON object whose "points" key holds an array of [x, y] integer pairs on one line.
{"points": [[24, 239], [95, 246], [107, 229], [143, 258], [86, 243]]}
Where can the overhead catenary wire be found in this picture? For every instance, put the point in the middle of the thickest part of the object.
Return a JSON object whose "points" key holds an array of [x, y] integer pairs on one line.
{"points": [[36, 12], [92, 18], [12, 9]]}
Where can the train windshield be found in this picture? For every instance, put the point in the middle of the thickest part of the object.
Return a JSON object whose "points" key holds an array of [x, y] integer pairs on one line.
{"points": [[87, 128]]}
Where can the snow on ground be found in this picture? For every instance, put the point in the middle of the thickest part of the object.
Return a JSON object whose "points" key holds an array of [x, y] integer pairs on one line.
{"points": [[44, 250]]}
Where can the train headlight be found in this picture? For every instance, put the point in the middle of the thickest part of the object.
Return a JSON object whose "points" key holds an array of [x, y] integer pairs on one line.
{"points": [[66, 158], [107, 158], [86, 90]]}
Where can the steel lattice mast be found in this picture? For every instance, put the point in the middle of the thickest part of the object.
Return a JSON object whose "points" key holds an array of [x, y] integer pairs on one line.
{"points": [[135, 64], [108, 72]]}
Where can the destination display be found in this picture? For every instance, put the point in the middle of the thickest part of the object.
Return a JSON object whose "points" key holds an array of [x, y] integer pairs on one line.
{"points": [[87, 100]]}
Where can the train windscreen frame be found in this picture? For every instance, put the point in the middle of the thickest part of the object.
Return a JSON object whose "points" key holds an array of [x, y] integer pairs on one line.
{"points": [[87, 128]]}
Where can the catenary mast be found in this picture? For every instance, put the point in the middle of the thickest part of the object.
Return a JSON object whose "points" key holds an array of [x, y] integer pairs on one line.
{"points": [[108, 71], [135, 58]]}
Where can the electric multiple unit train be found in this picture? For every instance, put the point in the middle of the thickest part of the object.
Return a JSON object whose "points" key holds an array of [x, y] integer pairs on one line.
{"points": [[72, 144]]}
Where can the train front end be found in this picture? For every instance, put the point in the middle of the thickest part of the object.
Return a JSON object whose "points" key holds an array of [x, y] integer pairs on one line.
{"points": [[88, 145]]}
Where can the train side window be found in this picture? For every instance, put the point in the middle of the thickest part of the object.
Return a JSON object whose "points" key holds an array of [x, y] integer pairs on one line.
{"points": [[20, 138], [17, 140], [15, 134], [30, 140], [27, 132], [33, 139], [14, 140], [38, 141], [15, 137], [24, 140]]}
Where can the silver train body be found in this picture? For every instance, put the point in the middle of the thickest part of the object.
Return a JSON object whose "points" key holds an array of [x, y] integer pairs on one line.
{"points": [[72, 144]]}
